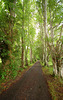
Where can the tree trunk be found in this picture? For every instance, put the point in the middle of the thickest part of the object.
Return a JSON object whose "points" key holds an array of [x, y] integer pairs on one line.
{"points": [[30, 55], [22, 56], [45, 30], [26, 60], [54, 67], [61, 70], [51, 27], [61, 34], [9, 37]]}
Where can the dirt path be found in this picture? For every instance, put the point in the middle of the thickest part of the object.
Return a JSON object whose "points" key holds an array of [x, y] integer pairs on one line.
{"points": [[31, 86]]}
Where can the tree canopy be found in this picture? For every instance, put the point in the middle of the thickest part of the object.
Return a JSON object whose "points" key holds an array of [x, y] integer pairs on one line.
{"points": [[30, 30]]}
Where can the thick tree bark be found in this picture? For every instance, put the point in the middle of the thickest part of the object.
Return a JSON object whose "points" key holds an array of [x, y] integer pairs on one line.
{"points": [[54, 67]]}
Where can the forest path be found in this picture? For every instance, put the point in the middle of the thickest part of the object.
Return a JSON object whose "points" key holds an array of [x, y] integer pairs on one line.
{"points": [[31, 86]]}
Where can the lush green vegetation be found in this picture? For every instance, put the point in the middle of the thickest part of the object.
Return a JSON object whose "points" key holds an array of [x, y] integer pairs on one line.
{"points": [[55, 84], [30, 30], [16, 36]]}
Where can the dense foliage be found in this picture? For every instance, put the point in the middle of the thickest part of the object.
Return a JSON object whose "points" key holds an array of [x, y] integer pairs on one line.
{"points": [[30, 30]]}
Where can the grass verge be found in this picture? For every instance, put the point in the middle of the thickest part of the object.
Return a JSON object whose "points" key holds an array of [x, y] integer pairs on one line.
{"points": [[55, 84]]}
